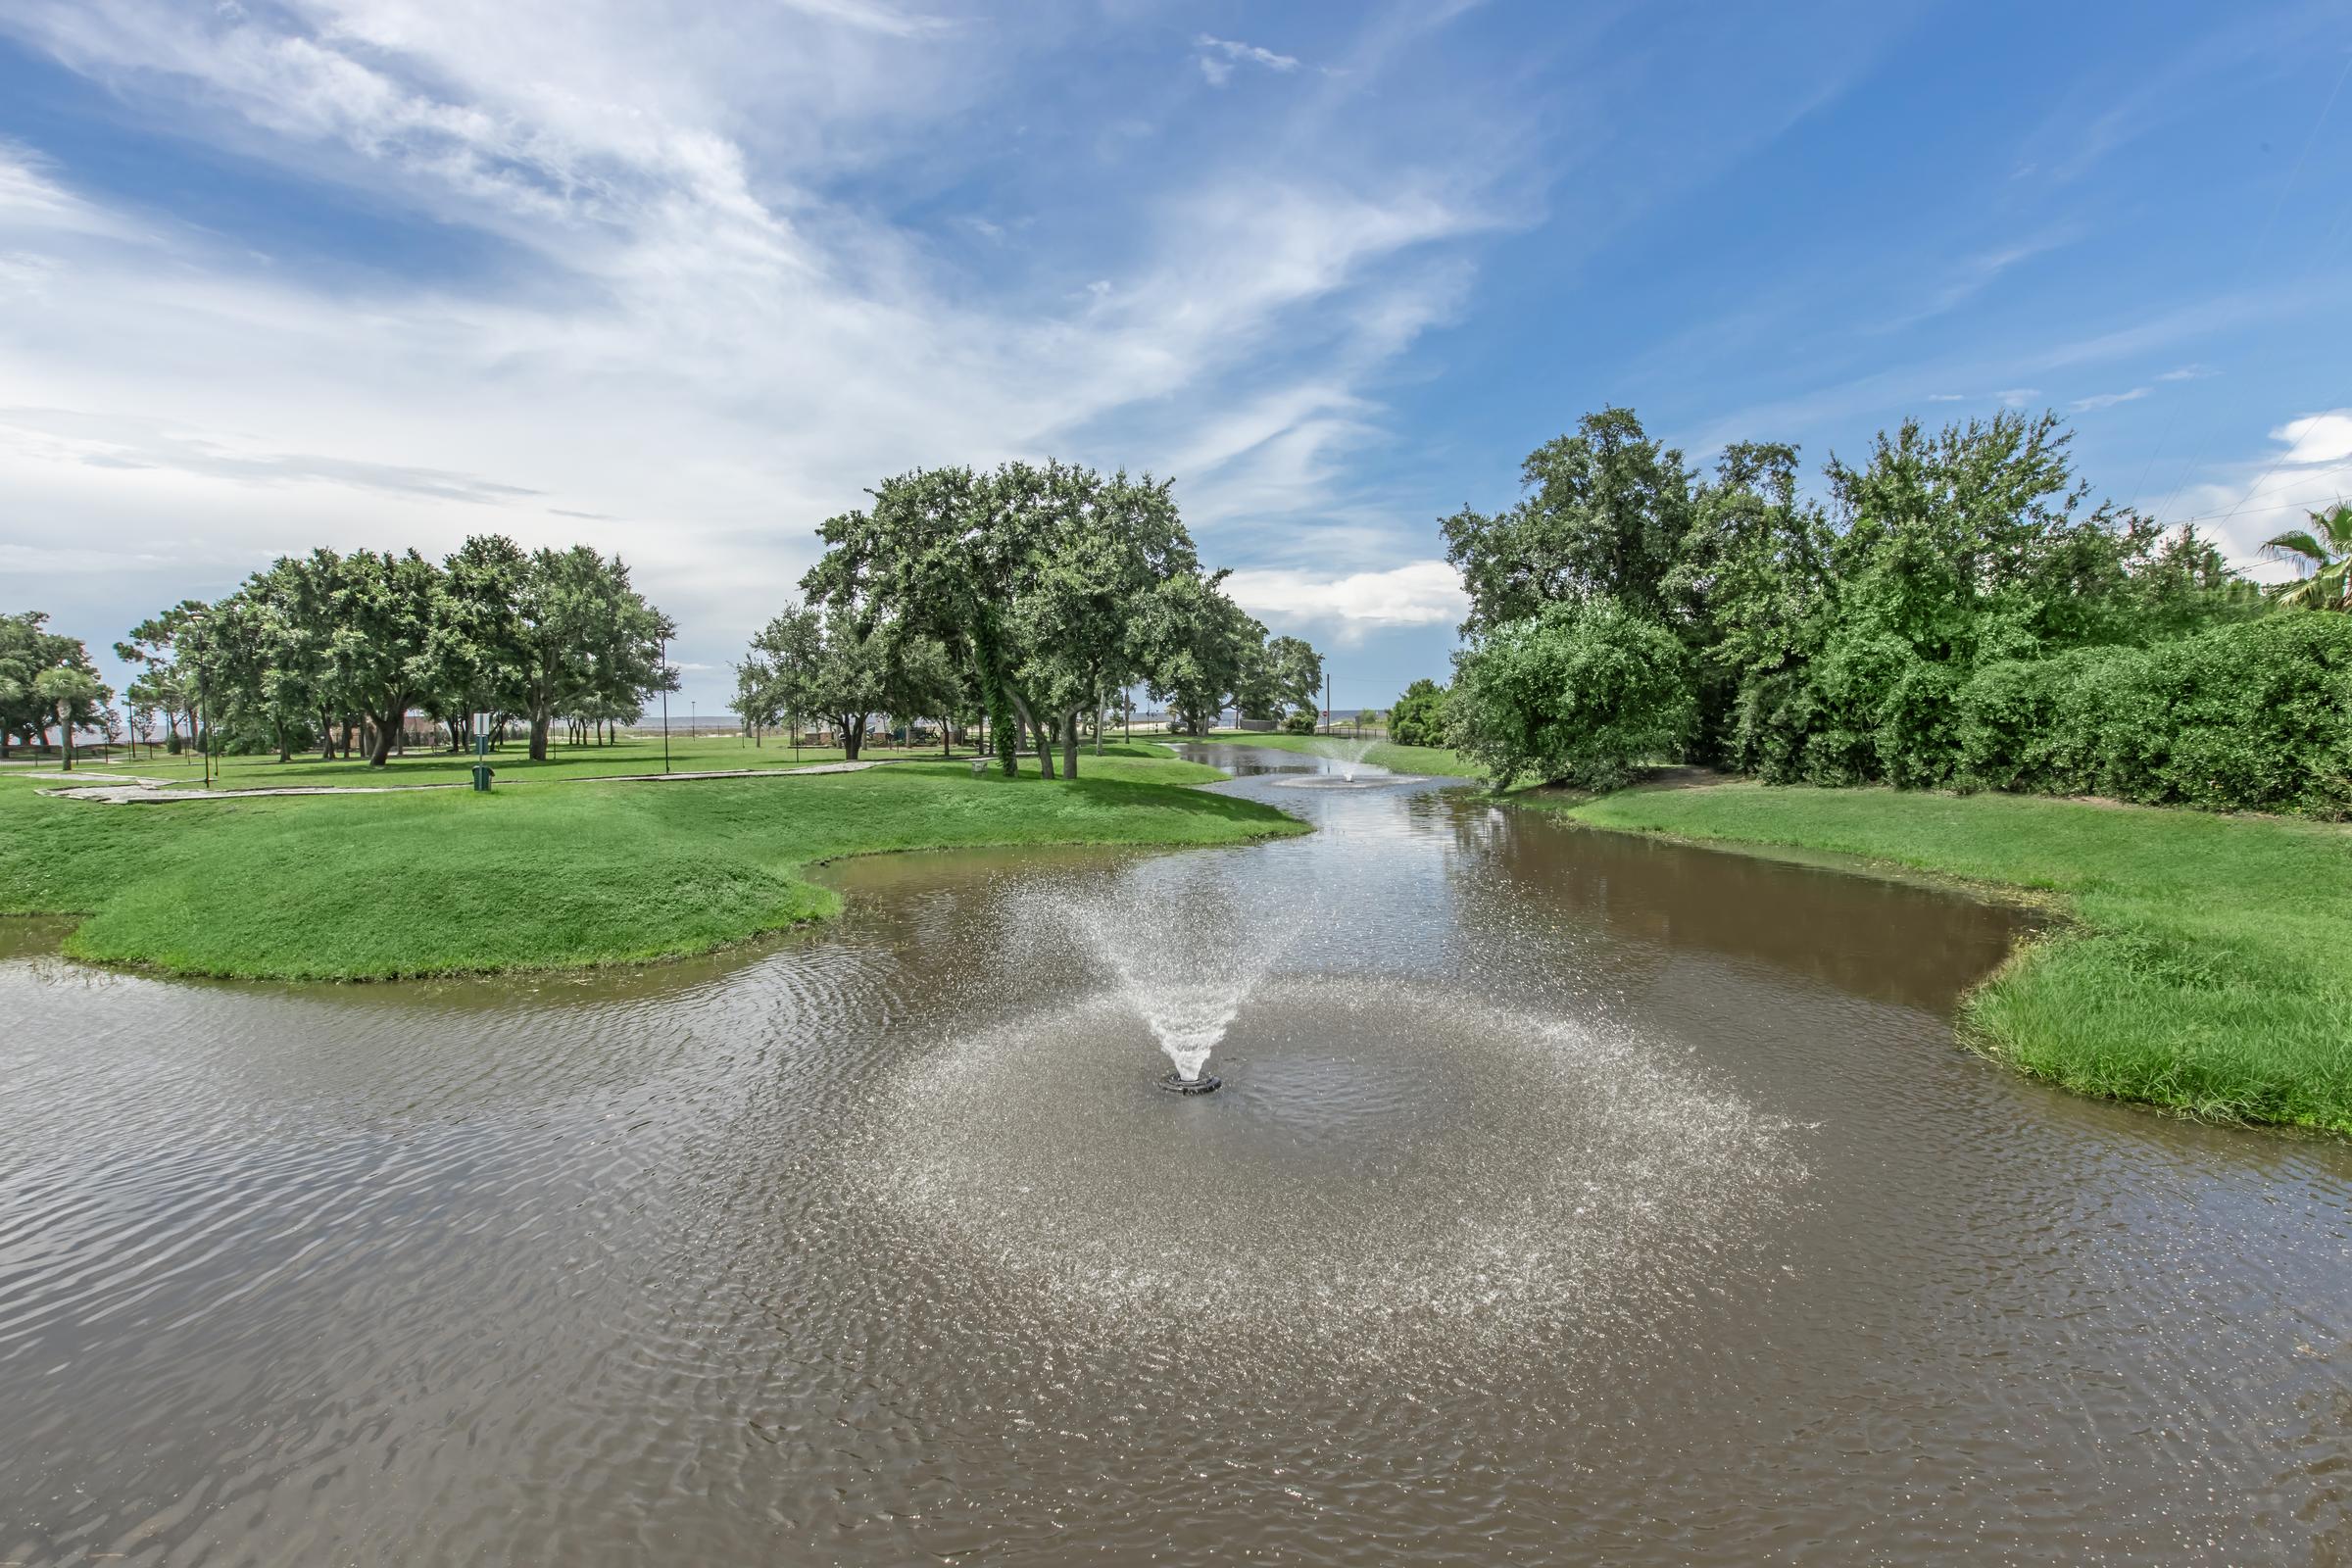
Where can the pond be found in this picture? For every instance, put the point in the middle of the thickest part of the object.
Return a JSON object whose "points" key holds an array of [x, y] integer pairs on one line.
{"points": [[1569, 1194]]}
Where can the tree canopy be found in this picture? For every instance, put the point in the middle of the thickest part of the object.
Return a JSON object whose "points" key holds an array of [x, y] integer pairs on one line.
{"points": [[316, 647], [46, 678], [1831, 640], [1046, 589]]}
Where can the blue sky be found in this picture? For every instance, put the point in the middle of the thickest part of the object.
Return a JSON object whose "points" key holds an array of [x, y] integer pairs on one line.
{"points": [[679, 278]]}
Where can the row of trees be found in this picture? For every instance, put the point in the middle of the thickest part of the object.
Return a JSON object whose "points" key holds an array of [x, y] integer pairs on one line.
{"points": [[324, 649], [1627, 608], [1028, 596], [47, 678]]}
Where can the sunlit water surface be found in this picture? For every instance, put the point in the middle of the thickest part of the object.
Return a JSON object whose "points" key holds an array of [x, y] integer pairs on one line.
{"points": [[1570, 1197]]}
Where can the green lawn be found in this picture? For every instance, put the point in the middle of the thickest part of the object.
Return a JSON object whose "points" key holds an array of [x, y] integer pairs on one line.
{"points": [[2205, 966], [540, 873], [634, 754], [1436, 760], [628, 756]]}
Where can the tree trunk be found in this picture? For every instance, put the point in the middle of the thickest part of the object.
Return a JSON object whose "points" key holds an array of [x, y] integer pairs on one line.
{"points": [[379, 750], [539, 723], [285, 753], [1035, 730], [65, 733], [852, 736], [1069, 744], [327, 737]]}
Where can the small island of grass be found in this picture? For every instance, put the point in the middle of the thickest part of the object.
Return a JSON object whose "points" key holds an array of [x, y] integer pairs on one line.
{"points": [[540, 874]]}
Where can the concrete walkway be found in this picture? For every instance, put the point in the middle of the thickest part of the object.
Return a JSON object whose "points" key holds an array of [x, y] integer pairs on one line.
{"points": [[149, 791], [124, 789], [859, 767]]}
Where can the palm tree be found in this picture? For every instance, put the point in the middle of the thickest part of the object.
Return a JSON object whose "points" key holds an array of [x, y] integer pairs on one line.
{"points": [[2326, 547]]}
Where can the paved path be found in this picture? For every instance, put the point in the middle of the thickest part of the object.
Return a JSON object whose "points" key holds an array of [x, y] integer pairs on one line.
{"points": [[124, 789], [859, 767]]}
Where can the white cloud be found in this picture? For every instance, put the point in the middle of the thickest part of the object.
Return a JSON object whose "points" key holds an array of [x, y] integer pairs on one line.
{"points": [[693, 354], [2185, 373], [1420, 593], [2107, 400], [2017, 397], [2254, 499], [1218, 58], [2317, 438]]}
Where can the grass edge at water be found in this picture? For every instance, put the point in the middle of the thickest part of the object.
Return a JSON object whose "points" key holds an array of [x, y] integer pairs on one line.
{"points": [[2191, 970], [441, 883]]}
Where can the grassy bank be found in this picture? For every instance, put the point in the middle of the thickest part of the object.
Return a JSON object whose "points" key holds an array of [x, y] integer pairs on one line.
{"points": [[2205, 967], [1436, 760], [532, 875], [627, 756]]}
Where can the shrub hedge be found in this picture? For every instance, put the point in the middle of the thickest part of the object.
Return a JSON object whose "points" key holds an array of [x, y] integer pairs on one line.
{"points": [[2252, 716]]}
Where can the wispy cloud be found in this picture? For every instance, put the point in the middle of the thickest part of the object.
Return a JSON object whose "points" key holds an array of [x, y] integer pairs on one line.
{"points": [[2257, 44], [704, 335], [2107, 400], [1218, 58], [114, 441], [1971, 276]]}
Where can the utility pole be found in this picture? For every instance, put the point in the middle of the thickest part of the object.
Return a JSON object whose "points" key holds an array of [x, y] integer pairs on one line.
{"points": [[665, 705]]}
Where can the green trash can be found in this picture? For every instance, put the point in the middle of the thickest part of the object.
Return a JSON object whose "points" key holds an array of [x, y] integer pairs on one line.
{"points": [[481, 776]]}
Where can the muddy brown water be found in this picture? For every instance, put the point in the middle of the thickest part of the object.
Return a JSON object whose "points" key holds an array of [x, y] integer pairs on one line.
{"points": [[1571, 1197]]}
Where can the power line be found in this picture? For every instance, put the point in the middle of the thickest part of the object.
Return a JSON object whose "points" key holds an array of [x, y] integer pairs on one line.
{"points": [[2256, 511], [2261, 239]]}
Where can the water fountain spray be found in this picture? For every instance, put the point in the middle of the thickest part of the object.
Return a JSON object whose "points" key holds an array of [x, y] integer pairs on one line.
{"points": [[1185, 951], [1350, 755]]}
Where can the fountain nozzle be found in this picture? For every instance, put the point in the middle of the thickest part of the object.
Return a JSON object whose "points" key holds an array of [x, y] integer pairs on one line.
{"points": [[1208, 1083]]}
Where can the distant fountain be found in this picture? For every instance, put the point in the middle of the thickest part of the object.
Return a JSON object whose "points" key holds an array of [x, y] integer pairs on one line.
{"points": [[1347, 755]]}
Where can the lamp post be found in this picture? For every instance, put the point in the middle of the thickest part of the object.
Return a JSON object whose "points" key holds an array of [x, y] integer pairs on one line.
{"points": [[666, 704], [203, 740]]}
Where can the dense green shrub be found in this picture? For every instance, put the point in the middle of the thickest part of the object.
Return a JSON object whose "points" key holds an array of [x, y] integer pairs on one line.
{"points": [[2251, 716], [1918, 733], [1957, 614], [1578, 692], [1298, 721], [1770, 720], [2262, 716], [2114, 724], [1419, 716], [2009, 727]]}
